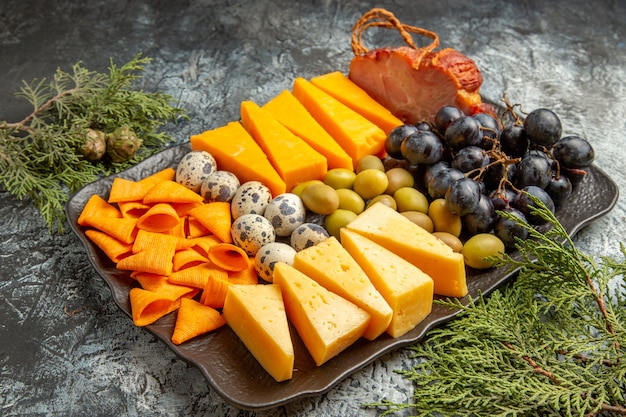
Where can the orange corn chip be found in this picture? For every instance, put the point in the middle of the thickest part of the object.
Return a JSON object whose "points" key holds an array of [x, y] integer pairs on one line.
{"points": [[161, 217], [183, 208], [194, 319], [171, 192], [122, 229], [216, 217], [229, 257], [113, 248], [146, 240], [97, 207], [179, 230], [160, 284], [187, 258], [147, 306], [123, 190], [203, 244], [194, 276], [195, 228], [166, 174], [156, 260], [246, 276], [214, 292], [133, 209]]}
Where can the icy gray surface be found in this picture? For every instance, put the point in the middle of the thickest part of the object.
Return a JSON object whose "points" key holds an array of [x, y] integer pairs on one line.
{"points": [[67, 350]]}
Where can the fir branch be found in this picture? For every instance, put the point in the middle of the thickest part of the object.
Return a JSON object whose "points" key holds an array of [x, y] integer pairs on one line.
{"points": [[549, 344], [41, 157]]}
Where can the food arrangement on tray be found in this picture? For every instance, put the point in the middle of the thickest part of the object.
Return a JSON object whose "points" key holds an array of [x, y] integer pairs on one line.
{"points": [[331, 216]]}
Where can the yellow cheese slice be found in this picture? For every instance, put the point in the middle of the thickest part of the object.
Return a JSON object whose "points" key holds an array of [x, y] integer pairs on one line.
{"points": [[356, 135], [294, 116], [256, 314], [401, 236], [346, 91], [294, 160], [326, 322], [407, 289], [332, 267]]}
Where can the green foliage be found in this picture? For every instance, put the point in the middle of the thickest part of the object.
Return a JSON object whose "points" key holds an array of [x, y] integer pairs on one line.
{"points": [[40, 157], [550, 344]]}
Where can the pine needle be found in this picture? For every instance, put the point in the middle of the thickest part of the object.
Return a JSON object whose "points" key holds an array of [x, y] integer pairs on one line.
{"points": [[39, 155]]}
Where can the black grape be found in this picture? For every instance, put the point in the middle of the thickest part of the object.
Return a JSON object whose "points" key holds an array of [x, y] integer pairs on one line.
{"points": [[395, 138], [422, 147], [445, 116], [462, 132], [442, 180], [508, 230], [482, 218], [470, 158], [524, 203], [543, 127], [559, 188], [463, 196], [533, 170], [513, 141], [573, 152]]}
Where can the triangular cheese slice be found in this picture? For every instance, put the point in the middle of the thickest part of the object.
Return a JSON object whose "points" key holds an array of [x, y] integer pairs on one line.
{"points": [[407, 289], [326, 322], [332, 267], [406, 239], [256, 314]]}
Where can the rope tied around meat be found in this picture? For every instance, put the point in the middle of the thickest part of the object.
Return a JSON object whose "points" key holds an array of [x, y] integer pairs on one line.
{"points": [[383, 18]]}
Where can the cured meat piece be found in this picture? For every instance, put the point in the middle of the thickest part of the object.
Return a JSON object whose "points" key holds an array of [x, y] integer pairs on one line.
{"points": [[412, 82]]}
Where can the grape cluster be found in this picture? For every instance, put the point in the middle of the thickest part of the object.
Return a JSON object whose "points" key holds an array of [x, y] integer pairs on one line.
{"points": [[481, 165]]}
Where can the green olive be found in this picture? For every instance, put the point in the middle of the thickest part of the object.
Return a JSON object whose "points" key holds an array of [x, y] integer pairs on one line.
{"points": [[450, 240], [410, 199], [350, 200], [479, 247], [339, 178], [297, 190], [385, 199], [320, 198], [443, 219], [338, 219], [398, 178], [370, 183], [369, 162], [420, 219]]}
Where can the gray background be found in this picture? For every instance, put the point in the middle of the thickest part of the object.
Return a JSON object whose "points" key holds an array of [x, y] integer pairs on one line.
{"points": [[565, 55]]}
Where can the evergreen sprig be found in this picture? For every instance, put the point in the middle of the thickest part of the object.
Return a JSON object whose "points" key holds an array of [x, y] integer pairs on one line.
{"points": [[549, 344], [39, 155]]}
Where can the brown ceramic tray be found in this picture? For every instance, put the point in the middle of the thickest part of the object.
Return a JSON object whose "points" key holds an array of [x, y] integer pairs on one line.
{"points": [[225, 362]]}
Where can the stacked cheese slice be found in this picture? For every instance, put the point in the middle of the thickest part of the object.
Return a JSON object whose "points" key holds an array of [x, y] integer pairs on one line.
{"points": [[334, 294], [327, 122]]}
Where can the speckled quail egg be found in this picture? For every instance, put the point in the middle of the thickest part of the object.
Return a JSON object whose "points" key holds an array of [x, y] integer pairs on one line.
{"points": [[306, 235], [268, 255], [251, 231], [285, 212], [219, 186], [252, 197], [193, 168]]}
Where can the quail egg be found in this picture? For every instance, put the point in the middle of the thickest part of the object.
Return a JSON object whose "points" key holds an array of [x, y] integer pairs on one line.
{"points": [[251, 231], [252, 197], [285, 212], [193, 168], [306, 235], [268, 255], [219, 186]]}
